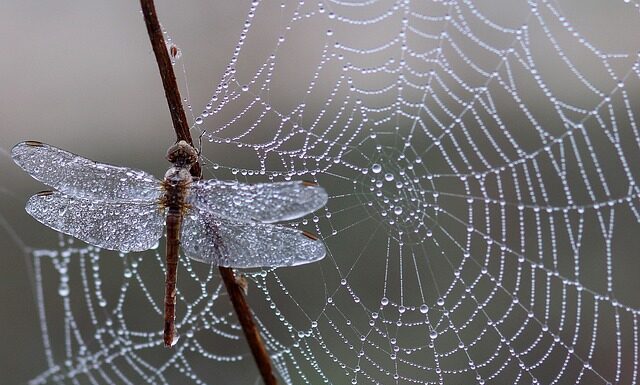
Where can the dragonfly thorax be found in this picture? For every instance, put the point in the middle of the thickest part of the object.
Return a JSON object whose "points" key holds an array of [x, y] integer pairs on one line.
{"points": [[177, 175], [175, 185]]}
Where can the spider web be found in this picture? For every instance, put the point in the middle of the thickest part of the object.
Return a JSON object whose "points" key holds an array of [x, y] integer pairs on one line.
{"points": [[481, 161]]}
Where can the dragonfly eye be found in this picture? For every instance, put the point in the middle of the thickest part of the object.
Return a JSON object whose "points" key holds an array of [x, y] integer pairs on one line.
{"points": [[182, 154]]}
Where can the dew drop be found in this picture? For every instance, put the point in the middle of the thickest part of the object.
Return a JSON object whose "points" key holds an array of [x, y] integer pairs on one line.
{"points": [[199, 120], [376, 168], [63, 290]]}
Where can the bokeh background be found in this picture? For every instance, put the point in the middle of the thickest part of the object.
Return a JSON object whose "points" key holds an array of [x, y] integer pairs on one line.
{"points": [[81, 75]]}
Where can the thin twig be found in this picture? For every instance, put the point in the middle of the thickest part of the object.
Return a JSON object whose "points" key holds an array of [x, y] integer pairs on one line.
{"points": [[171, 90], [181, 128]]}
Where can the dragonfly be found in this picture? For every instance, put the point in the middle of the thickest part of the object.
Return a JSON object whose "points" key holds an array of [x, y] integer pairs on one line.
{"points": [[224, 223]]}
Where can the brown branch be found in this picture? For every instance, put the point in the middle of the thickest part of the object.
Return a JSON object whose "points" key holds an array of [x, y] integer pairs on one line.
{"points": [[236, 294], [181, 128], [171, 90]]}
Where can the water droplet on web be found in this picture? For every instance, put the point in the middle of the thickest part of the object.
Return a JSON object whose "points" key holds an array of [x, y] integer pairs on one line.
{"points": [[397, 210], [433, 335], [376, 168], [424, 309], [388, 177], [63, 290], [199, 120]]}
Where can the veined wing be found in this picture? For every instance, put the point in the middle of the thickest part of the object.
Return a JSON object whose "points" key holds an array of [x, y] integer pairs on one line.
{"points": [[229, 243], [83, 178], [123, 226], [262, 202]]}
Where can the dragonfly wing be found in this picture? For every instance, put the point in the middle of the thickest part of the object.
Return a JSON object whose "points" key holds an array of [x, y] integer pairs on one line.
{"points": [[262, 202], [123, 226], [81, 177], [225, 242]]}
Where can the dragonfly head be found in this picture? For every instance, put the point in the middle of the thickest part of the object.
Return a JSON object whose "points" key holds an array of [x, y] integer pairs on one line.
{"points": [[182, 154]]}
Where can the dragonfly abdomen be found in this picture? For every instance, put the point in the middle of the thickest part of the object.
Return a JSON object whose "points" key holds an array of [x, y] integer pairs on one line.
{"points": [[174, 224], [175, 190]]}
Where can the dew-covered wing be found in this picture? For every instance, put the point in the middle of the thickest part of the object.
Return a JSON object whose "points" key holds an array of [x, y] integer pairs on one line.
{"points": [[81, 177], [262, 202], [123, 226], [229, 243]]}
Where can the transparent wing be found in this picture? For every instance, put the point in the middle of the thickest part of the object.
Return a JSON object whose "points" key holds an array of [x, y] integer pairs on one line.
{"points": [[123, 226], [81, 177], [229, 243], [263, 202]]}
